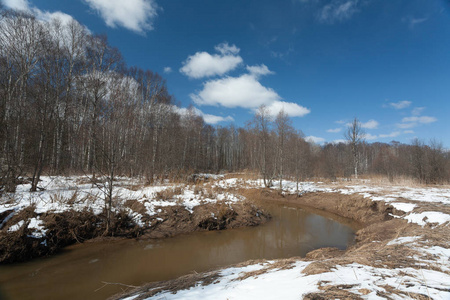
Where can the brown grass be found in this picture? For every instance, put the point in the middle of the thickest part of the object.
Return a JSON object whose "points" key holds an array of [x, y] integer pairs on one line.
{"points": [[181, 283]]}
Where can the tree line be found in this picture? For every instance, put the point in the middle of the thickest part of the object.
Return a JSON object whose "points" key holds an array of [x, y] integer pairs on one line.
{"points": [[69, 104]]}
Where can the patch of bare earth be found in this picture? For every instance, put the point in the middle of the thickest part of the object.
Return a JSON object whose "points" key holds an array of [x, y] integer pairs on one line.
{"points": [[174, 220]]}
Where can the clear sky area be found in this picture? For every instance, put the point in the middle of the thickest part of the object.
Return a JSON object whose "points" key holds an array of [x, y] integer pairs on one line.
{"points": [[325, 62]]}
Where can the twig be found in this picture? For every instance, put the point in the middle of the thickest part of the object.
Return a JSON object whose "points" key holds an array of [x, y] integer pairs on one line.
{"points": [[115, 283]]}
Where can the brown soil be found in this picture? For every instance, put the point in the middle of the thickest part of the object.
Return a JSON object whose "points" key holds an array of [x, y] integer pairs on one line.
{"points": [[376, 228], [174, 220]]}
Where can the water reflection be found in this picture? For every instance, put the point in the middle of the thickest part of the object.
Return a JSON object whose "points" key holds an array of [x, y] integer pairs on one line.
{"points": [[79, 272]]}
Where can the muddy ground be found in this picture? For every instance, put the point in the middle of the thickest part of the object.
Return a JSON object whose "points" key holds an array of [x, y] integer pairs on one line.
{"points": [[377, 226], [70, 227]]}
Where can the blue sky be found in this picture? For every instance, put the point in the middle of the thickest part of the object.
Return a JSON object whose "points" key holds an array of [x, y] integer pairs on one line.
{"points": [[323, 61]]}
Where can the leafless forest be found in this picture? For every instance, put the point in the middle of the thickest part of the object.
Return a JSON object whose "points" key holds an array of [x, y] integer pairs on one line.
{"points": [[69, 104]]}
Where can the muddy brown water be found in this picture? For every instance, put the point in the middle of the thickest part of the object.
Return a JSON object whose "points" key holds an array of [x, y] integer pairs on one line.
{"points": [[81, 271]]}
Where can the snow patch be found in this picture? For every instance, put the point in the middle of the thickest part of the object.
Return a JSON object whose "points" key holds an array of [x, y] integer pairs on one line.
{"points": [[430, 217]]}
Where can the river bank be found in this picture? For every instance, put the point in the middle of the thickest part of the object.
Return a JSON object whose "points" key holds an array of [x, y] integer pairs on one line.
{"points": [[402, 250], [69, 210]]}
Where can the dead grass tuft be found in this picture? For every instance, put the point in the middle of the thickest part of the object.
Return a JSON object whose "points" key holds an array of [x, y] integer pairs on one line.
{"points": [[169, 194], [181, 283]]}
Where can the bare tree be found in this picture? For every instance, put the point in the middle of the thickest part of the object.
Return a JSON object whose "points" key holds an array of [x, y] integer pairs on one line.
{"points": [[354, 136], [263, 123], [283, 127]]}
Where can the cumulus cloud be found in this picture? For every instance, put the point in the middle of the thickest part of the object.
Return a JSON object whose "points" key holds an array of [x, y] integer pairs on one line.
{"points": [[371, 124], [167, 70], [370, 137], [135, 15], [247, 92], [203, 64], [243, 91], [338, 11], [17, 4], [400, 104], [314, 139], [46, 16], [213, 119], [208, 118], [335, 130], [226, 49], [260, 70], [290, 108]]}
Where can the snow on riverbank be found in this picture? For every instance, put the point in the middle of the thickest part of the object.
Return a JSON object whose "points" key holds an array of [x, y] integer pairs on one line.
{"points": [[58, 194], [426, 274], [364, 281]]}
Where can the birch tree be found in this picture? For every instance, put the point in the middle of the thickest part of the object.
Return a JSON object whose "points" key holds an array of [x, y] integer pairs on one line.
{"points": [[354, 136]]}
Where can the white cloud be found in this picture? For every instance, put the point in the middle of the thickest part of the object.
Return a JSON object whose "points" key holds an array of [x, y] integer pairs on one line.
{"points": [[338, 11], [400, 104], [391, 135], [203, 64], [421, 120], [314, 139], [135, 15], [244, 91], [49, 16], [370, 137], [260, 70], [371, 124], [208, 118], [290, 108], [340, 141], [335, 130], [226, 49], [247, 92], [46, 16], [408, 131], [416, 120], [417, 111], [407, 125], [17, 4], [167, 70], [212, 119], [412, 22]]}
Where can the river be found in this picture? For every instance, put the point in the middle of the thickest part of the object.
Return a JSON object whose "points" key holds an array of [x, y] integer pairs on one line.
{"points": [[81, 271]]}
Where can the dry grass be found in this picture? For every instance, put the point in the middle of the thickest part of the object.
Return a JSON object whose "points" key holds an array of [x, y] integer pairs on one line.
{"points": [[169, 194]]}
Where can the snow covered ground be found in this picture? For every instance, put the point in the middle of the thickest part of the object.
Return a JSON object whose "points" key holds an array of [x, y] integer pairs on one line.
{"points": [[59, 194], [428, 207], [427, 277]]}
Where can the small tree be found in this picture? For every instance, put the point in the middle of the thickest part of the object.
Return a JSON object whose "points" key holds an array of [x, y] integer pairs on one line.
{"points": [[354, 136]]}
